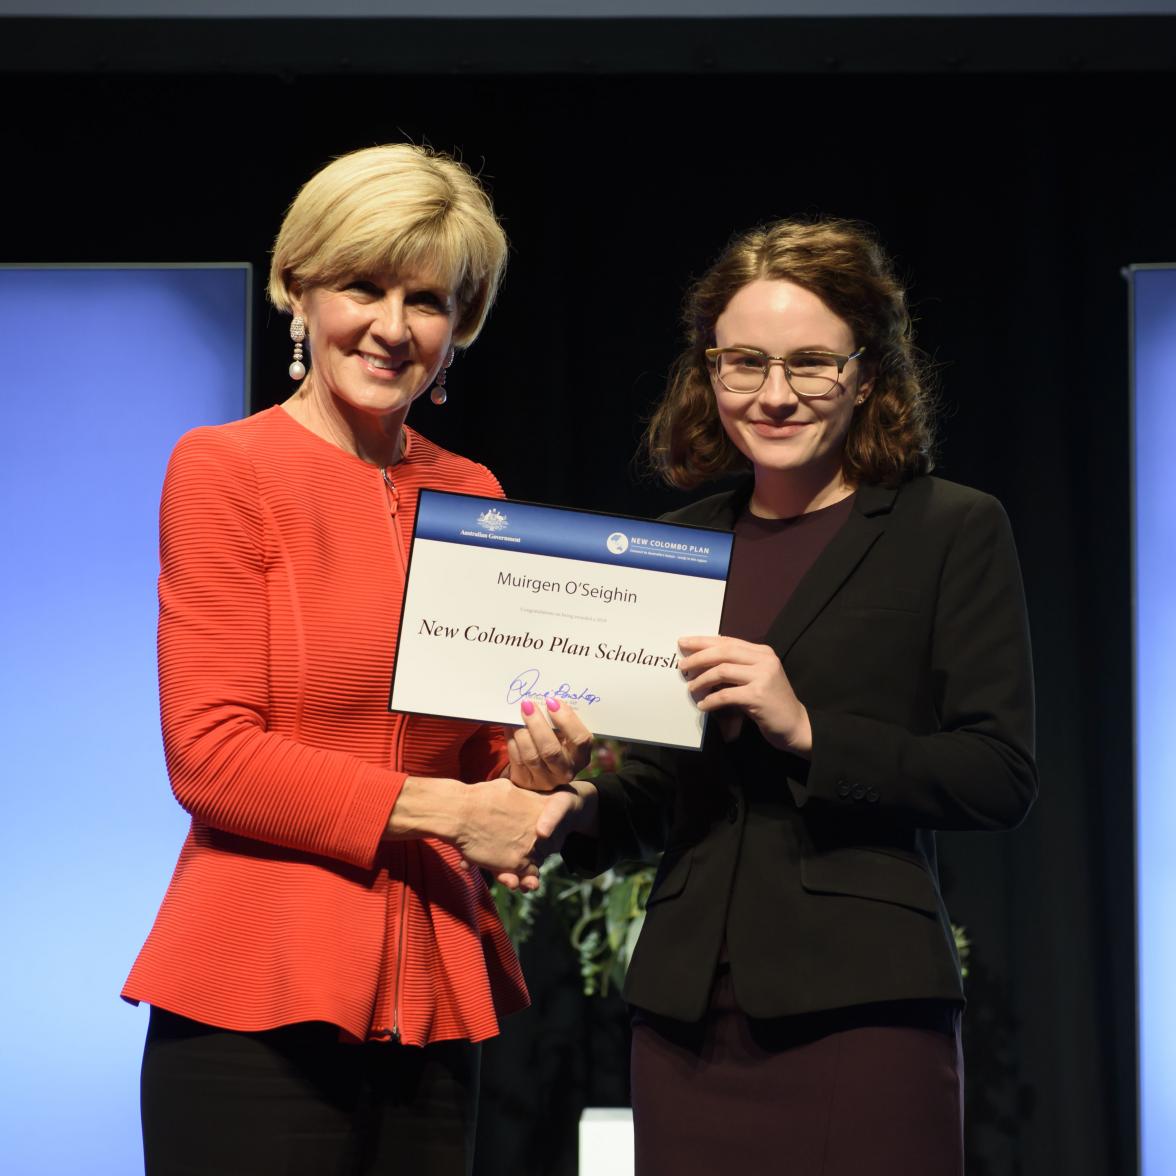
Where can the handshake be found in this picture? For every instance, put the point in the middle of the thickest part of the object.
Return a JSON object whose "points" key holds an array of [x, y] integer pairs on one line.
{"points": [[509, 825], [517, 821]]}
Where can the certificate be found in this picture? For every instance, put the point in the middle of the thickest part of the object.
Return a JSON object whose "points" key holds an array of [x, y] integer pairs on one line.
{"points": [[507, 601]]}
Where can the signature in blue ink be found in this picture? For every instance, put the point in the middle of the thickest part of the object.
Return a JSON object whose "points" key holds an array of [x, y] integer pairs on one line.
{"points": [[526, 685]]}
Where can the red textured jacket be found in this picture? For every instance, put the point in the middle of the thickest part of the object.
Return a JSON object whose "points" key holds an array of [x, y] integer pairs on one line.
{"points": [[282, 571]]}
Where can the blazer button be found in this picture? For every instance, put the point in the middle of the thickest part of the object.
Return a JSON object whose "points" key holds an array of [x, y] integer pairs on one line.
{"points": [[843, 788], [872, 795], [733, 811], [859, 793]]}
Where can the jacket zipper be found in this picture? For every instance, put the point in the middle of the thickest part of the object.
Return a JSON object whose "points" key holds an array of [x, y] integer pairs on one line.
{"points": [[392, 494], [402, 929]]}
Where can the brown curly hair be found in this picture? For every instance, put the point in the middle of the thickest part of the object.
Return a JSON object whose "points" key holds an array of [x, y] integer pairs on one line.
{"points": [[891, 437]]}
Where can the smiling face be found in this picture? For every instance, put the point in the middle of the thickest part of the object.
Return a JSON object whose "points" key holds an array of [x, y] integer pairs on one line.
{"points": [[785, 436], [376, 343]]}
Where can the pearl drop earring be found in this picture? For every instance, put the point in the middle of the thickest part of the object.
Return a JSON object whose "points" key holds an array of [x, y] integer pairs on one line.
{"points": [[438, 395], [297, 333]]}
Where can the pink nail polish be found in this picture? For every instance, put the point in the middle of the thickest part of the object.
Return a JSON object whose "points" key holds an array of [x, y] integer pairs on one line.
{"points": [[553, 704], [528, 707]]}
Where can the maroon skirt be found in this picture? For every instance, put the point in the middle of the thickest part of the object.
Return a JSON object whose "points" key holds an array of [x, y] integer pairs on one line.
{"points": [[876, 1089]]}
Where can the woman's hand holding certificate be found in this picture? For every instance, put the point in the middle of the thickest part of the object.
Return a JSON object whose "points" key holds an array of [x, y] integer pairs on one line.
{"points": [[546, 755], [727, 672]]}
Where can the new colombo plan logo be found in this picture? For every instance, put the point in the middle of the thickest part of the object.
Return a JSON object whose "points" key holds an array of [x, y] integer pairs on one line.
{"points": [[618, 543], [492, 519]]}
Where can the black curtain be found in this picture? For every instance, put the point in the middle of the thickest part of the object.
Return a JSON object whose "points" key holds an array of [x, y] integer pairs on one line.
{"points": [[1011, 200]]}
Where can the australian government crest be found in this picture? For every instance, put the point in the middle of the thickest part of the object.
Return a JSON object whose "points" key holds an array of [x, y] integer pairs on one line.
{"points": [[492, 520]]}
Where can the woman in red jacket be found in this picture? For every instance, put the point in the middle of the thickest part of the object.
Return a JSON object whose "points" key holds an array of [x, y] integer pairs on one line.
{"points": [[327, 955]]}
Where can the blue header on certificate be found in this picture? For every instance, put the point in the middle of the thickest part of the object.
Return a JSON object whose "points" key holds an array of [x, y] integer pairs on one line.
{"points": [[572, 534]]}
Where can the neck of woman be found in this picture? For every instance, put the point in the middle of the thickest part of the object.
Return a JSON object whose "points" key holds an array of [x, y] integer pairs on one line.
{"points": [[784, 494], [377, 439]]}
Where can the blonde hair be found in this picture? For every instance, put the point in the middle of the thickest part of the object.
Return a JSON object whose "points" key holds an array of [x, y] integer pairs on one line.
{"points": [[891, 437], [395, 208]]}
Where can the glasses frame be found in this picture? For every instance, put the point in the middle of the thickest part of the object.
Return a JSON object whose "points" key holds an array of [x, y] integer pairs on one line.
{"points": [[713, 354]]}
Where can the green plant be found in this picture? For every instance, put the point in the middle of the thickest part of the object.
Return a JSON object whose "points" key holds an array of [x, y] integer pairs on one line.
{"points": [[963, 947], [602, 915]]}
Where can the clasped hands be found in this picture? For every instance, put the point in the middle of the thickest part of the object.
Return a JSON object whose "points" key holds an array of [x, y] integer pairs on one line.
{"points": [[532, 811], [525, 816]]}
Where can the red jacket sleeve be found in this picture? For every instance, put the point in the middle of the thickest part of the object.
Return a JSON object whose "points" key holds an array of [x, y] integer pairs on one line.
{"points": [[226, 767]]}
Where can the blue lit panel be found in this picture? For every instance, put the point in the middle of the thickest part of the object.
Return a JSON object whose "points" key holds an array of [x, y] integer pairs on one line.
{"points": [[1153, 324], [104, 369]]}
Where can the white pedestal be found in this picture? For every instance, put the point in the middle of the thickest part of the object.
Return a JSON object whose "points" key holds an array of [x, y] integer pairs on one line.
{"points": [[606, 1141]]}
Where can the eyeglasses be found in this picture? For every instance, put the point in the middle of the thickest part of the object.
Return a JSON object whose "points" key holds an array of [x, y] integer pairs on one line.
{"points": [[809, 373]]}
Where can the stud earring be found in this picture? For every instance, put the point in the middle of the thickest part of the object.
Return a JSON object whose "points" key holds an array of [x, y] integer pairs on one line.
{"points": [[860, 400], [297, 333], [439, 395]]}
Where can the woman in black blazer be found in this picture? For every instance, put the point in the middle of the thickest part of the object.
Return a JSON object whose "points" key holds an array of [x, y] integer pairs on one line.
{"points": [[796, 986]]}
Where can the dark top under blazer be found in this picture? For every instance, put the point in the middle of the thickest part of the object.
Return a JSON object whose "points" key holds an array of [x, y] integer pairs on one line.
{"points": [[908, 643]]}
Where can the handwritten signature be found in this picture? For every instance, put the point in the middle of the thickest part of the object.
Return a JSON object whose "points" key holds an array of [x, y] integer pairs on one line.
{"points": [[526, 685]]}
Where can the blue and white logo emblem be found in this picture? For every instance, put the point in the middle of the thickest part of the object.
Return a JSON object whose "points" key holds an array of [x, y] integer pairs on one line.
{"points": [[492, 520], [618, 543]]}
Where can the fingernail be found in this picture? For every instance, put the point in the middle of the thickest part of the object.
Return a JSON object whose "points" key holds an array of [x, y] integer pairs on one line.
{"points": [[552, 704], [528, 707]]}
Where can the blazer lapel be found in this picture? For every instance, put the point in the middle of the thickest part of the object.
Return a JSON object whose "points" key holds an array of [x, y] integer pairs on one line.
{"points": [[719, 510], [833, 566]]}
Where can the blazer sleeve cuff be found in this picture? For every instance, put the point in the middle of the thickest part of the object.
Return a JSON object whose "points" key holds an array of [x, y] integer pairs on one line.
{"points": [[364, 822], [848, 765], [589, 856]]}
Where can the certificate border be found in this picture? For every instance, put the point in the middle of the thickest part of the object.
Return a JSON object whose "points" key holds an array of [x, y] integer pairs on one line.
{"points": [[608, 514]]}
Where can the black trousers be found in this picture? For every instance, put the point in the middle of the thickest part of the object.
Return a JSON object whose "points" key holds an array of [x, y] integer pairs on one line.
{"points": [[297, 1101]]}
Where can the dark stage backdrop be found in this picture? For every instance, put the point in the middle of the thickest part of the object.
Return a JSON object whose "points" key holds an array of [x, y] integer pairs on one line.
{"points": [[1011, 199]]}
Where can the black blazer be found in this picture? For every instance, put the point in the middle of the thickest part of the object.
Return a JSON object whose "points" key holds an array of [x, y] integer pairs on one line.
{"points": [[907, 640]]}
